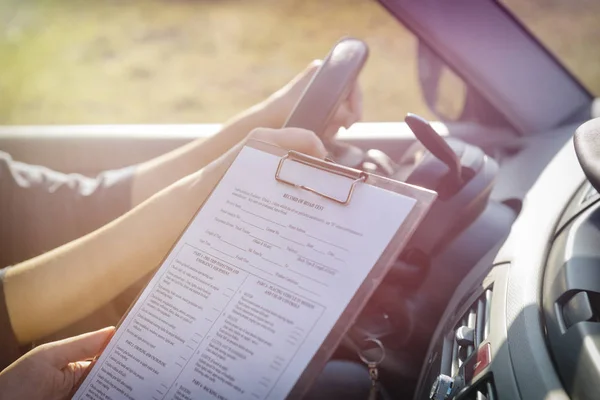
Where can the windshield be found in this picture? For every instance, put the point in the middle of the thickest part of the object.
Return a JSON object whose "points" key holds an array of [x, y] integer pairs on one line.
{"points": [[156, 61], [570, 30]]}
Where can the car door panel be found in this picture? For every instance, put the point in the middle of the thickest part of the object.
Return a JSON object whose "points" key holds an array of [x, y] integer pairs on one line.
{"points": [[91, 149]]}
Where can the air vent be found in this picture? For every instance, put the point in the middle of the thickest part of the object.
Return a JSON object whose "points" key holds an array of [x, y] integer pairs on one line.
{"points": [[465, 354], [472, 329], [483, 391]]}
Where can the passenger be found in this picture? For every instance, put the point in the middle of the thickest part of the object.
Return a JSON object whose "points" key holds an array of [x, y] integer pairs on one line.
{"points": [[89, 244]]}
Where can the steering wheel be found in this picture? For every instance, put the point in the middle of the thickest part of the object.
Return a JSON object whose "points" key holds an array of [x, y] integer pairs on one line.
{"points": [[315, 108], [329, 86]]}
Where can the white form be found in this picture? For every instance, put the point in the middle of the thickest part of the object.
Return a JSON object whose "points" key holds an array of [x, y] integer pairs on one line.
{"points": [[250, 291]]}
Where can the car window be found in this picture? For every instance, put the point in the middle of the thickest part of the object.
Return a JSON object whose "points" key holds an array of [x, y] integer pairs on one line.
{"points": [[570, 29], [156, 61]]}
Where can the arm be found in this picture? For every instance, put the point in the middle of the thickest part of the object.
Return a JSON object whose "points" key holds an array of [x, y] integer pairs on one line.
{"points": [[158, 173], [43, 209], [50, 291], [153, 175]]}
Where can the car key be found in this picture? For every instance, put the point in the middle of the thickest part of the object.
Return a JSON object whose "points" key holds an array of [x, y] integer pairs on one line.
{"points": [[374, 375], [373, 368]]}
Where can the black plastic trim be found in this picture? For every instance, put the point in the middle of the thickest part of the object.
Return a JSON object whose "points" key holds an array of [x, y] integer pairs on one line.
{"points": [[543, 47], [510, 88], [571, 300]]}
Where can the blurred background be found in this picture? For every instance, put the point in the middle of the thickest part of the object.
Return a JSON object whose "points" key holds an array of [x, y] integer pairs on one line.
{"points": [[195, 61]]}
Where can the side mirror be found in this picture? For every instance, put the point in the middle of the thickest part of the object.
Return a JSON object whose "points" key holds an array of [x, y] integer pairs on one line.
{"points": [[448, 96], [445, 93]]}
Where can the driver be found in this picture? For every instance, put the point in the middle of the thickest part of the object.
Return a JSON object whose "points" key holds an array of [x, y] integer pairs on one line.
{"points": [[86, 241]]}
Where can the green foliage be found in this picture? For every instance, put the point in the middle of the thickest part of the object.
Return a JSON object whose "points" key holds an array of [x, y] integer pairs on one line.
{"points": [[154, 61]]}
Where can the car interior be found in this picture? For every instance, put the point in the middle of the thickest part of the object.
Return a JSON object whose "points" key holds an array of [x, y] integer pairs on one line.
{"points": [[497, 293]]}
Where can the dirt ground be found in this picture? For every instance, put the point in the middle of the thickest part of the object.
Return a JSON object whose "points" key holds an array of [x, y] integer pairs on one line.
{"points": [[180, 61]]}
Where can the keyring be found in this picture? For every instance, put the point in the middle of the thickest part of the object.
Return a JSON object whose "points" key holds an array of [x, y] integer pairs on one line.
{"points": [[366, 360]]}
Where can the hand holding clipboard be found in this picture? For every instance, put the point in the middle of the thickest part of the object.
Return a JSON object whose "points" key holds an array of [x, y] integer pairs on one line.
{"points": [[260, 288], [268, 276]]}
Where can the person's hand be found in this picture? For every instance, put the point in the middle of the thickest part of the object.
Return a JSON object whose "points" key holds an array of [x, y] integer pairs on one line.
{"points": [[181, 200], [298, 139], [51, 370], [301, 140], [281, 103]]}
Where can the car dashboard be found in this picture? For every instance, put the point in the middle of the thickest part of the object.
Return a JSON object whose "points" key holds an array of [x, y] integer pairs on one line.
{"points": [[491, 341], [496, 280]]}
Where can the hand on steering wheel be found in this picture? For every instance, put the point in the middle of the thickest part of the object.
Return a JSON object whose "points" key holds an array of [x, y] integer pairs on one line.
{"points": [[331, 99], [282, 103]]}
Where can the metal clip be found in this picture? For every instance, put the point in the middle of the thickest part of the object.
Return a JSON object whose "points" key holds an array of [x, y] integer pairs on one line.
{"points": [[336, 169]]}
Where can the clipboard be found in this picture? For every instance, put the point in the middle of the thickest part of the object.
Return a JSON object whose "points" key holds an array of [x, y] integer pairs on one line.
{"points": [[423, 199]]}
